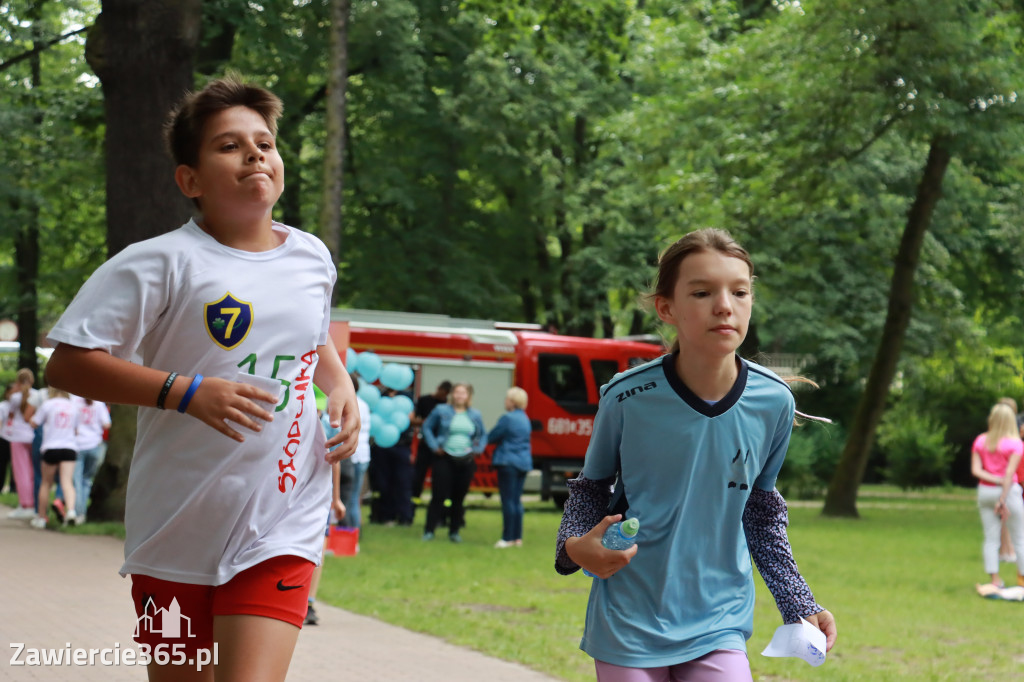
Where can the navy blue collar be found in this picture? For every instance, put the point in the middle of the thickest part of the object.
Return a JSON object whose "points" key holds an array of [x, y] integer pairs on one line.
{"points": [[668, 364]]}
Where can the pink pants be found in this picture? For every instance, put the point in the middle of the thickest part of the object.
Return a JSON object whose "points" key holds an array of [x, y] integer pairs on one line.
{"points": [[723, 665], [24, 479]]}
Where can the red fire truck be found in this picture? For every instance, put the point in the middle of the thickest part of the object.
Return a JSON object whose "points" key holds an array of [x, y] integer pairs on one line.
{"points": [[560, 374]]}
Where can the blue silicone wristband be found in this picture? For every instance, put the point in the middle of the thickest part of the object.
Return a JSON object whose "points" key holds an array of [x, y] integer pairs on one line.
{"points": [[187, 398]]}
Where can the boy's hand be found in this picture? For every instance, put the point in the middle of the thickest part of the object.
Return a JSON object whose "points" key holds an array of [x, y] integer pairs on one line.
{"points": [[343, 411], [588, 552], [217, 400], [826, 622]]}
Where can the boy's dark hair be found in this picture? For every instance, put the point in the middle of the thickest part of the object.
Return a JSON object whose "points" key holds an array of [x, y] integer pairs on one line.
{"points": [[183, 131]]}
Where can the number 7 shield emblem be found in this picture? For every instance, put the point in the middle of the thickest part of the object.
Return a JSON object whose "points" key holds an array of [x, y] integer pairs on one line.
{"points": [[228, 320]]}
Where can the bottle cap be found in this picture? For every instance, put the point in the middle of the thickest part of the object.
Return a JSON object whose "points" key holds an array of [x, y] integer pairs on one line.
{"points": [[630, 527]]}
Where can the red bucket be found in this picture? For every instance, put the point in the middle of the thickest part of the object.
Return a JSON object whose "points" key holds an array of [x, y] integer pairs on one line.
{"points": [[343, 541]]}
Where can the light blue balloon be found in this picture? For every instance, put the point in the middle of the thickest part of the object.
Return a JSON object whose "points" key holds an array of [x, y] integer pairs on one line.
{"points": [[368, 365], [369, 393], [403, 404], [399, 419], [351, 359], [387, 435], [385, 406], [376, 422], [398, 377]]}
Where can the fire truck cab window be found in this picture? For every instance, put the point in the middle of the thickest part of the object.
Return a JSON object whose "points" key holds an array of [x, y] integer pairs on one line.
{"points": [[561, 378], [603, 371]]}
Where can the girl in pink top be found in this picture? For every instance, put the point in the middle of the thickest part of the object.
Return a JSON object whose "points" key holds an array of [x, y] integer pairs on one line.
{"points": [[994, 459]]}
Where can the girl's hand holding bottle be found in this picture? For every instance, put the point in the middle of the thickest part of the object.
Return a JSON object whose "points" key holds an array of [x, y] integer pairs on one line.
{"points": [[588, 552]]}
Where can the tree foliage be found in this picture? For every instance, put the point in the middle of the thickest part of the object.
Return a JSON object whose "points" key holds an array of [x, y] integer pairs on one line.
{"points": [[527, 161]]}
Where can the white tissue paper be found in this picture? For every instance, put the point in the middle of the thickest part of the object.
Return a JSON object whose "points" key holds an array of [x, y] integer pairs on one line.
{"points": [[268, 384], [798, 640]]}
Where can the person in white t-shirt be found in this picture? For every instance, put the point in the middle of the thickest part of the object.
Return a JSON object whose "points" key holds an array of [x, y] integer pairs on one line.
{"points": [[93, 421], [18, 432], [226, 507], [59, 417]]}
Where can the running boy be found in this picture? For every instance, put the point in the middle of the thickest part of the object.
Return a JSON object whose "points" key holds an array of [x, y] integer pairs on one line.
{"points": [[696, 440], [224, 528]]}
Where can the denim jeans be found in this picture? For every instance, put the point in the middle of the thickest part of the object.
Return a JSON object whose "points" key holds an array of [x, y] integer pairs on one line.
{"points": [[86, 466], [353, 512], [510, 487]]}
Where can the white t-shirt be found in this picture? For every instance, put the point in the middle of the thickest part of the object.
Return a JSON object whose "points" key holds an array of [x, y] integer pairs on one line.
{"points": [[17, 429], [201, 507], [58, 417], [92, 419], [5, 411], [362, 453]]}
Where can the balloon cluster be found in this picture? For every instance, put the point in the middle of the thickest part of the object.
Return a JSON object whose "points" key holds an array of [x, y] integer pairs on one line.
{"points": [[389, 416]]}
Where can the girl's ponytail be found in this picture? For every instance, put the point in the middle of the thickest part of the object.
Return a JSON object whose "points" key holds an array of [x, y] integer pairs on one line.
{"points": [[26, 379]]}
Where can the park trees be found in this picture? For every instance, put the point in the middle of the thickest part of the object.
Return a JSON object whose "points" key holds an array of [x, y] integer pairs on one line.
{"points": [[527, 162], [823, 134], [51, 119]]}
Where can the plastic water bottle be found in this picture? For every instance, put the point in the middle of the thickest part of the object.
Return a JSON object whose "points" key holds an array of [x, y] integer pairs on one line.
{"points": [[620, 535]]}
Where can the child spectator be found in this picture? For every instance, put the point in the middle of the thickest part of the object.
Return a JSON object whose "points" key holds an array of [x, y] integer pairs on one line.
{"points": [[93, 422], [59, 419], [22, 403], [995, 456]]}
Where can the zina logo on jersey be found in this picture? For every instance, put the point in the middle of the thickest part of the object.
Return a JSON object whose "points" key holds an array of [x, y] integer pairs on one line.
{"points": [[228, 321]]}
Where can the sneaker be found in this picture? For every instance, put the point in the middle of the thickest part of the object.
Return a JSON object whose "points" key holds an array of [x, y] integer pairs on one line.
{"points": [[58, 508], [70, 519], [428, 536], [22, 514], [311, 617], [455, 537], [38, 522], [502, 544]]}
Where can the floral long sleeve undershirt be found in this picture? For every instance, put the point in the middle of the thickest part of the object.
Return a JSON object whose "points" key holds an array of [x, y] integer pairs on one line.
{"points": [[765, 519]]}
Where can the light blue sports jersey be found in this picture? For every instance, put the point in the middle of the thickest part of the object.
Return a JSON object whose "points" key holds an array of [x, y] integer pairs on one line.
{"points": [[687, 468]]}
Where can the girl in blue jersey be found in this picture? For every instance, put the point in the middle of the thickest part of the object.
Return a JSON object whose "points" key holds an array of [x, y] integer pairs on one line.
{"points": [[693, 442]]}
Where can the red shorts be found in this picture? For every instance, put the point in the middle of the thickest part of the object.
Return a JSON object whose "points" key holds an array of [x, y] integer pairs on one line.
{"points": [[181, 613]]}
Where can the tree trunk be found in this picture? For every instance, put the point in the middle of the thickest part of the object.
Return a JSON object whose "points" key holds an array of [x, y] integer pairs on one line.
{"points": [[841, 499], [143, 54], [334, 148], [26, 259], [26, 239]]}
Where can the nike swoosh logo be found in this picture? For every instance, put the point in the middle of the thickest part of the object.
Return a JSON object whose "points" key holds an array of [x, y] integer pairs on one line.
{"points": [[284, 588]]}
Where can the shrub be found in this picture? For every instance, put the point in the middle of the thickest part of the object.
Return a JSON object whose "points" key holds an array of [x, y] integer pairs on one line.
{"points": [[915, 447], [813, 453]]}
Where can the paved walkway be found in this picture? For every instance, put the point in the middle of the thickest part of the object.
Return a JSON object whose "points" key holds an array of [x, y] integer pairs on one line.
{"points": [[59, 591]]}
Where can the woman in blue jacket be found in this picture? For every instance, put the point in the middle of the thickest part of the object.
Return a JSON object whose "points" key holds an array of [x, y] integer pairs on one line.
{"points": [[513, 461], [454, 432]]}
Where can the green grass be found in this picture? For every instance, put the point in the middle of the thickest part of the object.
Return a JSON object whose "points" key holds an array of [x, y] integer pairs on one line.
{"points": [[900, 581]]}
